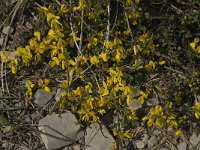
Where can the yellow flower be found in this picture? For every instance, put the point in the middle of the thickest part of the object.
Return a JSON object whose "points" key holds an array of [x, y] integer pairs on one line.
{"points": [[159, 123], [178, 132], [104, 56], [141, 99], [4, 58], [130, 113], [109, 45], [118, 56], [143, 94], [123, 134], [128, 134], [37, 35], [150, 122], [94, 60], [29, 86], [128, 99], [43, 84], [78, 91], [51, 16], [25, 55], [161, 62], [62, 9], [47, 89], [13, 64], [51, 32], [143, 38], [150, 66], [102, 111], [197, 109], [38, 57], [193, 45], [71, 62], [117, 41], [40, 83]]}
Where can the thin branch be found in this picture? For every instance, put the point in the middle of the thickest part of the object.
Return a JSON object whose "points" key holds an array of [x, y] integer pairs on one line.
{"points": [[108, 25], [81, 34], [79, 49]]}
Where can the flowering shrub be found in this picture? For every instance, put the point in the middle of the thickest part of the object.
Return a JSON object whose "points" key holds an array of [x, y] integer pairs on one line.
{"points": [[104, 59]]}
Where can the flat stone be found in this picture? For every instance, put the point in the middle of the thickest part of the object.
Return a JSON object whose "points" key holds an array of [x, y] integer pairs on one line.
{"points": [[135, 94], [7, 29], [152, 141], [152, 101], [182, 146], [63, 129], [145, 138], [163, 148], [140, 144], [42, 97], [73, 147], [194, 139], [135, 104], [98, 138], [156, 132]]}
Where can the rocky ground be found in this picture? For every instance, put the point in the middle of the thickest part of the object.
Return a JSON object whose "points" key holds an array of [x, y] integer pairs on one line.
{"points": [[43, 126]]}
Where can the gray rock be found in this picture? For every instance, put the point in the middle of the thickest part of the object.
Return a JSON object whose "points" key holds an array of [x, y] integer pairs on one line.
{"points": [[42, 97], [152, 101], [135, 94], [64, 129], [135, 104], [163, 148], [73, 147], [170, 129], [182, 146], [194, 139], [145, 138], [7, 30], [140, 144], [152, 141], [98, 138], [156, 132]]}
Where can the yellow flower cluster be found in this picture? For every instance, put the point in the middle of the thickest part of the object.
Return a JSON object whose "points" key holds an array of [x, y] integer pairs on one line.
{"points": [[44, 84], [115, 86], [29, 86], [195, 45], [145, 45], [159, 118], [156, 115], [6, 57], [144, 95]]}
